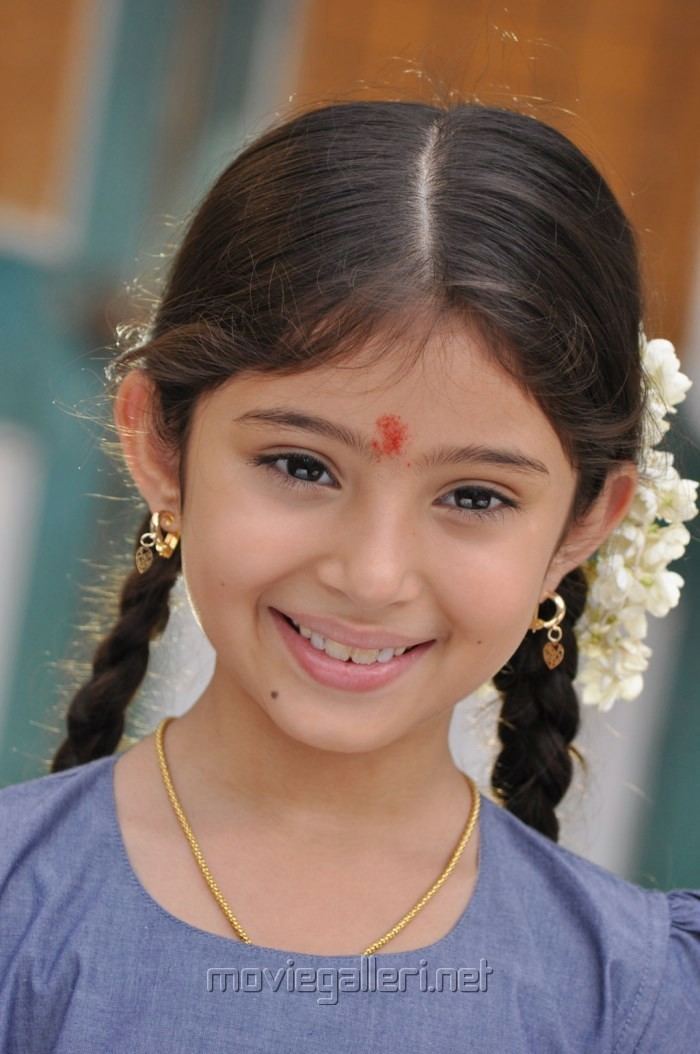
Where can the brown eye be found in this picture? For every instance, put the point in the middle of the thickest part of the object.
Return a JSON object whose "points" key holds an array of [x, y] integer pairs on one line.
{"points": [[309, 467], [475, 497], [481, 502]]}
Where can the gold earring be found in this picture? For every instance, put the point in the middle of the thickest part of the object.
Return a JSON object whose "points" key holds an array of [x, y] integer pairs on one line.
{"points": [[165, 546], [553, 651]]}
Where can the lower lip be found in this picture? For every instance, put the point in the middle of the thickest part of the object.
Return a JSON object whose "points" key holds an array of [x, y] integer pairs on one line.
{"points": [[350, 676]]}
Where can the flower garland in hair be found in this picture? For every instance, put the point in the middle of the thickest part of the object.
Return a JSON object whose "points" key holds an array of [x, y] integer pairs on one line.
{"points": [[628, 576]]}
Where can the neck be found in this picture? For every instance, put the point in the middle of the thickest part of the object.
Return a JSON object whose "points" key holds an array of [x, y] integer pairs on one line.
{"points": [[247, 762]]}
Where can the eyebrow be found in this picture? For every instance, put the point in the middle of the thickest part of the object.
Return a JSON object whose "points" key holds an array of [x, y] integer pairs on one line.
{"points": [[281, 416]]}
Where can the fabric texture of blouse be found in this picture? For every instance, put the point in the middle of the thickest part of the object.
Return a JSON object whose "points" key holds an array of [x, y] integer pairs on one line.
{"points": [[552, 955]]}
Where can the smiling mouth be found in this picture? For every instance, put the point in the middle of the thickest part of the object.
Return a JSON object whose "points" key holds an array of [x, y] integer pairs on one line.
{"points": [[297, 631]]}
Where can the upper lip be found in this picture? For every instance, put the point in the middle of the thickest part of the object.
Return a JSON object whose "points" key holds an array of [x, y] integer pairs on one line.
{"points": [[353, 636]]}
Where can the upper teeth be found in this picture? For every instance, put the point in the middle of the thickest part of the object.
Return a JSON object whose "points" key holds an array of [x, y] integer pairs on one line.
{"points": [[337, 650]]}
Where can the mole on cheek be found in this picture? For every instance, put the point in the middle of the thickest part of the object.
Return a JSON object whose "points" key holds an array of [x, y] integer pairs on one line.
{"points": [[274, 694], [392, 435]]}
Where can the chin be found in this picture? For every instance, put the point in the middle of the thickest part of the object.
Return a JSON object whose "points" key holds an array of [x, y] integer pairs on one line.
{"points": [[346, 734]]}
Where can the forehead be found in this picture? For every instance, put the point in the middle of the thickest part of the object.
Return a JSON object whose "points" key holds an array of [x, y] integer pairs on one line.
{"points": [[454, 391]]}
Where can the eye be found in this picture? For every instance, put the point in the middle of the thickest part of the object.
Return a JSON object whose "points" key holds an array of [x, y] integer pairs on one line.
{"points": [[482, 502], [304, 463]]}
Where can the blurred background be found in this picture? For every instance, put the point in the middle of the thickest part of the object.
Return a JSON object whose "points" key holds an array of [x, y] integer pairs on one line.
{"points": [[115, 116]]}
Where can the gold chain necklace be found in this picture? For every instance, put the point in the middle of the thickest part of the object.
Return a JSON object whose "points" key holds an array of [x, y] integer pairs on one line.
{"points": [[238, 929]]}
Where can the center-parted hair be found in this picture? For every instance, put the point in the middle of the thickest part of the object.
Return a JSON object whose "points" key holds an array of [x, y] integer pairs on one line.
{"points": [[362, 225]]}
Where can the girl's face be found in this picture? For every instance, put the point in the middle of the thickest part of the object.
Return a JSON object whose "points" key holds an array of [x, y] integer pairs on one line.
{"points": [[429, 506]]}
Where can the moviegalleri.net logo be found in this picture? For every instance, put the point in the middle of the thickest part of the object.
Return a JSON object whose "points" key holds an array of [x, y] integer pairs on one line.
{"points": [[331, 981]]}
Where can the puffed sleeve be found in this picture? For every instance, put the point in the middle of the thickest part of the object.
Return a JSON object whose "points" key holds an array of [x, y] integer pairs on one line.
{"points": [[674, 1021]]}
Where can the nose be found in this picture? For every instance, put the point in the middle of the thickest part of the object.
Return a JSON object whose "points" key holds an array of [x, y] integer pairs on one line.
{"points": [[373, 559]]}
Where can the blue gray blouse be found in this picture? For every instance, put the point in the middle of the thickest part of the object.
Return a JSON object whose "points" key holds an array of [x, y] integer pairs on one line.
{"points": [[552, 954]]}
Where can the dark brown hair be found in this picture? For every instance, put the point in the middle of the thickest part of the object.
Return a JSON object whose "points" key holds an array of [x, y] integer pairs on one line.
{"points": [[368, 218]]}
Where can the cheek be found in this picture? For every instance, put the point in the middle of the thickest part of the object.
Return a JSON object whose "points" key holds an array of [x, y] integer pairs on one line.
{"points": [[232, 550], [490, 600]]}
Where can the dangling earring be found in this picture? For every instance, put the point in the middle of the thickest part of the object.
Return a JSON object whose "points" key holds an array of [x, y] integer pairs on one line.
{"points": [[553, 651], [153, 539]]}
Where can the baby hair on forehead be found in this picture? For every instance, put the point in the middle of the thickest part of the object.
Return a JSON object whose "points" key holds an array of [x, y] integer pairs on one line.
{"points": [[355, 220]]}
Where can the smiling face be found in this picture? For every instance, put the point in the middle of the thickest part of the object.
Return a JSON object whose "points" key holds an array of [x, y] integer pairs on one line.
{"points": [[429, 506]]}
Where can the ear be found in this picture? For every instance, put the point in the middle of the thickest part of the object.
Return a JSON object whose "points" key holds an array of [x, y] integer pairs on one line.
{"points": [[585, 536], [152, 467]]}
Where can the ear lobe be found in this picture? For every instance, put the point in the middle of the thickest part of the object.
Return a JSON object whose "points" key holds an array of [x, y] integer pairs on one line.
{"points": [[587, 535], [152, 468]]}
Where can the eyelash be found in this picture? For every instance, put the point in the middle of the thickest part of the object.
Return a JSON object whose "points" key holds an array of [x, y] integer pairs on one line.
{"points": [[268, 462]]}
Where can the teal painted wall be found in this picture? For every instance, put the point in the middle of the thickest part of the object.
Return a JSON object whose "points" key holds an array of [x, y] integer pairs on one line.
{"points": [[668, 854], [55, 340]]}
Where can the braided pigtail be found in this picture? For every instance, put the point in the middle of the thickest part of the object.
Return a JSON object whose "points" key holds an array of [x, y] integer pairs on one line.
{"points": [[95, 717], [539, 718]]}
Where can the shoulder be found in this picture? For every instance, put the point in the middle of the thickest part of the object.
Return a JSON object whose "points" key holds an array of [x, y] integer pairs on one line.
{"points": [[49, 825], [676, 1010], [642, 946], [561, 881], [42, 806], [57, 859]]}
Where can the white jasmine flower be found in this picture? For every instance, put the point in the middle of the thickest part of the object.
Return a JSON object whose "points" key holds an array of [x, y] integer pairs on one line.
{"points": [[663, 592], [628, 577], [663, 369]]}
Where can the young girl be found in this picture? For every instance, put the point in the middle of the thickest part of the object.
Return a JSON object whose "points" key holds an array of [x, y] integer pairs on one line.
{"points": [[390, 407]]}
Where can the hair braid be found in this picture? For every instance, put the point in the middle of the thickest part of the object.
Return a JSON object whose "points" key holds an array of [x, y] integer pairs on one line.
{"points": [[95, 717], [539, 718]]}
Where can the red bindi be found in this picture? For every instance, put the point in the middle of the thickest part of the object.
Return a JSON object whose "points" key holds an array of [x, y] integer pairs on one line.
{"points": [[392, 432]]}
